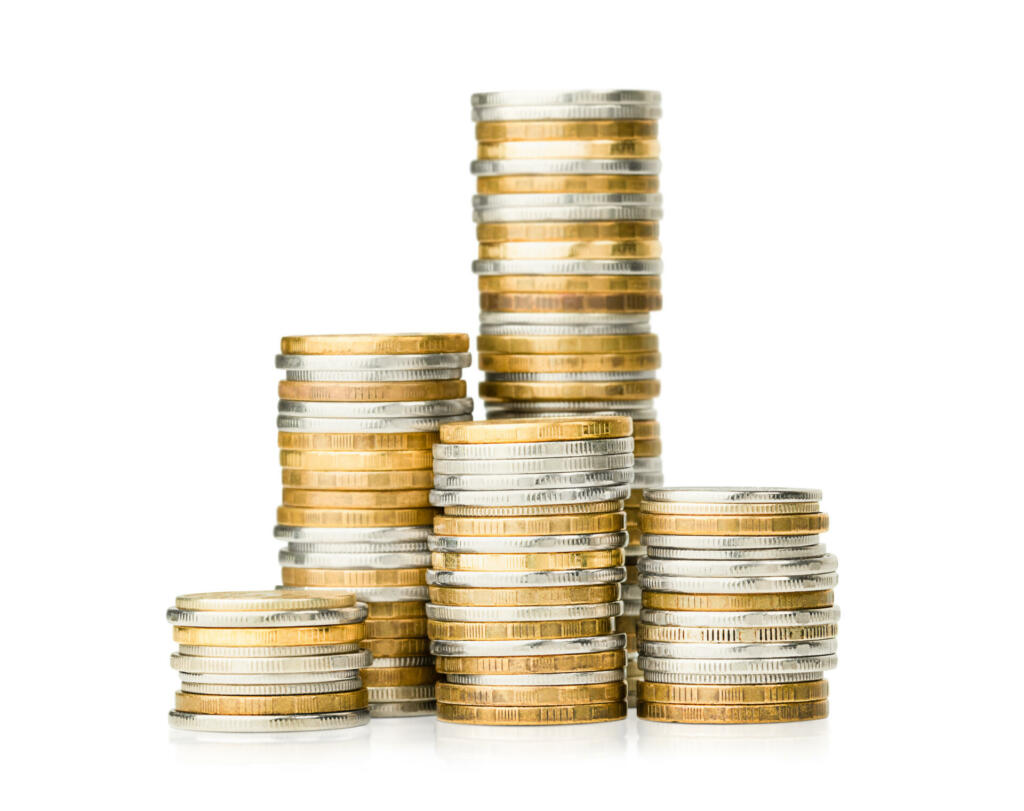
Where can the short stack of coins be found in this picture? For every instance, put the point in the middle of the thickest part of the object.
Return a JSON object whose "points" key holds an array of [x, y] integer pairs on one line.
{"points": [[269, 661], [569, 268], [357, 418], [738, 623], [526, 570]]}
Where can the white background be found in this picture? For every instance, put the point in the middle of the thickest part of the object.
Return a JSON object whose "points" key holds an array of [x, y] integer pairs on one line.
{"points": [[183, 183]]}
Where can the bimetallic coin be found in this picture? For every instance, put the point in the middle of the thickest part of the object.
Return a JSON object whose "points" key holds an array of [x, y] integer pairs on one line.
{"points": [[252, 680], [533, 466], [270, 664], [537, 543], [741, 652], [397, 344], [334, 426], [773, 634], [569, 495], [445, 360], [371, 375], [272, 689], [539, 679], [451, 613], [281, 600], [712, 542], [535, 449], [386, 560], [739, 569], [534, 647], [669, 553], [738, 602], [521, 481], [751, 495], [195, 722], [621, 166], [728, 585], [406, 692], [345, 535], [504, 580], [740, 619], [732, 714], [402, 709], [267, 619], [411, 409]]}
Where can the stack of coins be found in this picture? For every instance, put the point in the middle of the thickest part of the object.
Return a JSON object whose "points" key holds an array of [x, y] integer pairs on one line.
{"points": [[738, 624], [569, 267], [526, 567], [269, 661], [357, 418]]}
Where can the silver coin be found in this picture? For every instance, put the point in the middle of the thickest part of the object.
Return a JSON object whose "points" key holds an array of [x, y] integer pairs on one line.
{"points": [[540, 98], [668, 553], [402, 661], [631, 592], [580, 112], [632, 608], [641, 480], [524, 481], [520, 467], [647, 464], [315, 722], [668, 677], [447, 360], [534, 647], [568, 377], [741, 569], [388, 560], [490, 202], [528, 543], [497, 411], [380, 594], [410, 692], [744, 652], [506, 580], [373, 375], [740, 619], [265, 679], [565, 329], [522, 498], [265, 619], [539, 679], [534, 450], [270, 664], [569, 214], [327, 425], [351, 534], [528, 613], [367, 411], [730, 541], [287, 650], [299, 689], [724, 495], [568, 166], [402, 709], [568, 267], [357, 548], [632, 408], [727, 585], [490, 317]]}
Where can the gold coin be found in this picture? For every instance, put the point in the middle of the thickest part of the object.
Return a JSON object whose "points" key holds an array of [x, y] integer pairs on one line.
{"points": [[358, 479], [526, 561], [549, 364], [732, 713], [569, 150], [547, 429], [596, 249], [647, 448], [396, 628], [567, 184], [735, 636], [399, 609], [645, 430], [530, 525], [398, 344], [567, 344], [390, 648], [565, 130], [538, 283], [804, 524], [358, 460], [356, 499], [611, 390], [627, 624], [730, 508], [355, 442], [363, 392], [531, 716], [738, 602], [733, 693], [540, 595], [635, 497], [530, 695], [397, 676], [632, 576], [570, 302], [300, 517], [537, 509], [271, 705], [540, 629], [521, 665], [562, 231], [268, 637], [278, 600], [353, 578]]}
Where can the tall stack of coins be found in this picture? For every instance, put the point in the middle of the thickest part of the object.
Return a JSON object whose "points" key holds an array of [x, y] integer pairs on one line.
{"points": [[357, 417], [526, 566], [738, 624], [569, 266], [269, 661]]}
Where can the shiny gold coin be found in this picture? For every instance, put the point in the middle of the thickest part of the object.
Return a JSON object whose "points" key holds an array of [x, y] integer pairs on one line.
{"points": [[270, 705], [564, 231], [738, 602], [596, 249], [537, 283], [355, 442], [530, 525], [521, 665], [353, 578], [547, 429], [541, 595], [403, 609], [567, 184], [570, 302], [356, 499], [730, 508], [277, 600], [498, 631], [389, 648], [647, 448], [732, 713], [526, 561], [569, 150], [531, 716], [804, 524], [645, 430], [733, 693], [565, 130], [566, 344], [362, 392], [397, 676], [550, 364], [358, 479], [300, 517], [358, 460], [398, 344], [268, 637], [536, 509], [530, 695], [735, 636], [611, 390], [396, 628]]}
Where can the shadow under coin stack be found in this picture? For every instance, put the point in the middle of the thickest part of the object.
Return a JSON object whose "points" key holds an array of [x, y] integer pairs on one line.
{"points": [[357, 419], [526, 567], [738, 624], [569, 269], [269, 661]]}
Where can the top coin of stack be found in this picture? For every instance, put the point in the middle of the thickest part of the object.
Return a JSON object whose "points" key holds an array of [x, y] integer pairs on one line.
{"points": [[357, 417], [738, 623], [525, 570]]}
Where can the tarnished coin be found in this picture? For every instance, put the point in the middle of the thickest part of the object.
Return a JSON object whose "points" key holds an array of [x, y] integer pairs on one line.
{"points": [[196, 722]]}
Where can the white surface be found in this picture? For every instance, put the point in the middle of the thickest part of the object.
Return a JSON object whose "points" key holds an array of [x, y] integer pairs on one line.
{"points": [[183, 183]]}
